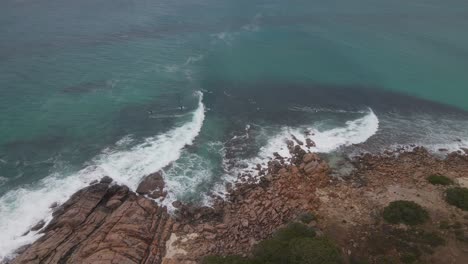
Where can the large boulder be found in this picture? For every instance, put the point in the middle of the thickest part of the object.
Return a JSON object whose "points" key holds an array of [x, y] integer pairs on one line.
{"points": [[102, 224], [153, 186]]}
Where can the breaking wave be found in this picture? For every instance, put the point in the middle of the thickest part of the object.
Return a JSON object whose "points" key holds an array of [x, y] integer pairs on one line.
{"points": [[353, 132], [23, 207]]}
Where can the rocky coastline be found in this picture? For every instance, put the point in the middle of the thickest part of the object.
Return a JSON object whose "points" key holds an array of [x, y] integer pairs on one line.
{"points": [[108, 223]]}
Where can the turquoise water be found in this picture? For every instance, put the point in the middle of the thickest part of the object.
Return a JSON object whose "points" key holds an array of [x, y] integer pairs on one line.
{"points": [[93, 88]]}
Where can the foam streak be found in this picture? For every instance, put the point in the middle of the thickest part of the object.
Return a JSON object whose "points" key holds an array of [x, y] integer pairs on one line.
{"points": [[22, 208]]}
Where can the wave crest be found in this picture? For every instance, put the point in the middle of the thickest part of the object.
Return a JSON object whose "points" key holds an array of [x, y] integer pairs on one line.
{"points": [[353, 132], [23, 207]]}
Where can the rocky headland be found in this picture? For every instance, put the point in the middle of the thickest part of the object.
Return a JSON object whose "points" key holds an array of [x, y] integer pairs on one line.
{"points": [[108, 223]]}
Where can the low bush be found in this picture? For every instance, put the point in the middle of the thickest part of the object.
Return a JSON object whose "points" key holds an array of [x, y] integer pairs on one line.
{"points": [[460, 235], [405, 212], [410, 244], [313, 251], [409, 258], [294, 244], [439, 180], [276, 249], [226, 260], [306, 218], [458, 197], [444, 225], [425, 238], [293, 230]]}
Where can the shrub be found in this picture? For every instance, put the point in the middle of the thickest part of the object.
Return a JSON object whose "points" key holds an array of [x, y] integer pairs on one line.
{"points": [[444, 225], [294, 230], [410, 244], [306, 218], [458, 197], [460, 235], [439, 180], [226, 260], [271, 251], [386, 260], [428, 238], [294, 244], [276, 249], [408, 258], [405, 212], [313, 251]]}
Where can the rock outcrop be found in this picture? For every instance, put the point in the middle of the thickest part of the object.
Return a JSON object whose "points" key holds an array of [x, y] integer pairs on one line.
{"points": [[103, 224], [153, 186], [253, 211]]}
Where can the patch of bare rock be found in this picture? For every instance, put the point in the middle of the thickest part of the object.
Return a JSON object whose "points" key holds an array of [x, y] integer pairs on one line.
{"points": [[102, 223]]}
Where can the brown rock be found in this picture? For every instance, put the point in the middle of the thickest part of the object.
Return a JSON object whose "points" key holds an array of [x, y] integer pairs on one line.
{"points": [[308, 158], [38, 226], [310, 167], [93, 182], [112, 204], [245, 222], [221, 226], [310, 143], [209, 228], [177, 204], [106, 180], [152, 185], [84, 230]]}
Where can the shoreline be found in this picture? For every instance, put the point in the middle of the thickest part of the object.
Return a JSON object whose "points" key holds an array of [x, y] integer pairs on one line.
{"points": [[95, 221]]}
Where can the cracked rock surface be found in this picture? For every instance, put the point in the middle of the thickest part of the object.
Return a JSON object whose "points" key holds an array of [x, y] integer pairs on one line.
{"points": [[103, 224]]}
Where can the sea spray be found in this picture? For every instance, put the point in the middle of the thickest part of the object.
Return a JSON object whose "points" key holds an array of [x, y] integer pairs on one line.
{"points": [[353, 132], [22, 208]]}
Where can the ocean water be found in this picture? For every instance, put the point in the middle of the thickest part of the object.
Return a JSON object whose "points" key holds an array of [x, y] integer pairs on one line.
{"points": [[207, 89]]}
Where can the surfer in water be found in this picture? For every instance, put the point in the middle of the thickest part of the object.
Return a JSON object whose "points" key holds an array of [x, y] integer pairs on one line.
{"points": [[167, 113], [179, 102]]}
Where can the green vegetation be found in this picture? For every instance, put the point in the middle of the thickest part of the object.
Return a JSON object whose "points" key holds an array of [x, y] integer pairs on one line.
{"points": [[293, 230], [410, 244], [439, 180], [313, 251], [226, 260], [405, 212], [423, 238], [444, 225], [458, 197], [306, 218], [460, 235], [294, 244]]}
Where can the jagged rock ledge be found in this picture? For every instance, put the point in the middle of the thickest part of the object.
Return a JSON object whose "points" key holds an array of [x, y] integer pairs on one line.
{"points": [[102, 223]]}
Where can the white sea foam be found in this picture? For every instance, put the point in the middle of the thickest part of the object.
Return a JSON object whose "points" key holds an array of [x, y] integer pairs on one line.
{"points": [[171, 68], [125, 141], [227, 37], [434, 132], [353, 132], [193, 59], [308, 109], [3, 180], [254, 24], [185, 177], [22, 208]]}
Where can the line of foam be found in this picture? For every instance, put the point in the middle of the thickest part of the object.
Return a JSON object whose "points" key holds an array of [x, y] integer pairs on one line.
{"points": [[353, 132], [23, 207]]}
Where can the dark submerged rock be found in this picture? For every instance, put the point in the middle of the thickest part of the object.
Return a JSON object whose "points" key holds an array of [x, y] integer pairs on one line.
{"points": [[153, 186]]}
